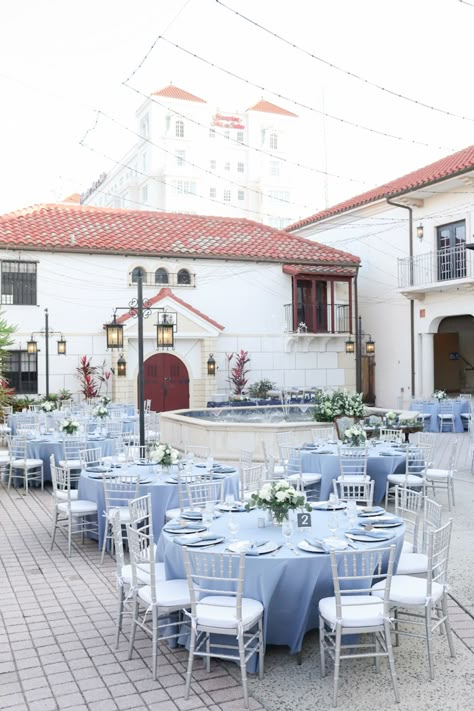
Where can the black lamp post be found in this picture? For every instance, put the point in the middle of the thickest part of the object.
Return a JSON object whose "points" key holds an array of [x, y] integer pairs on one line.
{"points": [[356, 347], [32, 345], [141, 308]]}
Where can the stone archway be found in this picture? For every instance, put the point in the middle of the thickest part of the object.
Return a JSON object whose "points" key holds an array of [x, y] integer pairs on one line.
{"points": [[166, 382], [453, 352]]}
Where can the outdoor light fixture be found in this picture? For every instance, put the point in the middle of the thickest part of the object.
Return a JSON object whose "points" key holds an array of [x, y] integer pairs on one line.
{"points": [[420, 231], [61, 346], [211, 365], [165, 331], [121, 366], [32, 346], [350, 345], [114, 334], [370, 346]]}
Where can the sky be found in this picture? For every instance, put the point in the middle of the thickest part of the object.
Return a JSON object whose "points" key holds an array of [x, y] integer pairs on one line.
{"points": [[73, 74]]}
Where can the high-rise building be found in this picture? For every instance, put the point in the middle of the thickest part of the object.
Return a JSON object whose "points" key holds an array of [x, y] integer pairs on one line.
{"points": [[194, 158]]}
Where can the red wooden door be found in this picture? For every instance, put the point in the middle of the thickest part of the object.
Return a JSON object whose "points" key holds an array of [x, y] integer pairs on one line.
{"points": [[166, 382]]}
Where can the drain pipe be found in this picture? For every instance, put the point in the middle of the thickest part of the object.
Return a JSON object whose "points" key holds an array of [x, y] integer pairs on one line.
{"points": [[412, 301]]}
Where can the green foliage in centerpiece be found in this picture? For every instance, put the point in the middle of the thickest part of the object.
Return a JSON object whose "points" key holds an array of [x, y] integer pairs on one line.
{"points": [[279, 497], [337, 403], [164, 454], [355, 436]]}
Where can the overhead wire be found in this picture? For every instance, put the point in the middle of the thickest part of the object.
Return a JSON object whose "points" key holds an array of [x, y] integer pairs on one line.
{"points": [[347, 72]]}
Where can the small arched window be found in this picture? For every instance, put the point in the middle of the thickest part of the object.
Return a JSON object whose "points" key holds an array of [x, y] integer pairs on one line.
{"points": [[274, 141], [180, 129], [161, 276], [184, 277], [136, 272]]}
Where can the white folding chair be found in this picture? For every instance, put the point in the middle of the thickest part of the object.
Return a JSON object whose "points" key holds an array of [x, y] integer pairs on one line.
{"points": [[118, 491], [389, 435], [154, 603], [203, 491], [251, 480], [362, 492], [218, 607], [414, 475], [323, 434], [446, 416], [23, 468], [352, 463], [305, 482], [422, 603], [75, 516], [91, 457], [72, 445], [444, 478], [353, 611], [409, 507]]}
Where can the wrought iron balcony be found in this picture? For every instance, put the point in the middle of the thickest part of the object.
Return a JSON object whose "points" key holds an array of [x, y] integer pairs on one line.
{"points": [[161, 277], [428, 270], [319, 318]]}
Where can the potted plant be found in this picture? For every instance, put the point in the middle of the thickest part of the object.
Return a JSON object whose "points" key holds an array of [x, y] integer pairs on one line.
{"points": [[261, 388]]}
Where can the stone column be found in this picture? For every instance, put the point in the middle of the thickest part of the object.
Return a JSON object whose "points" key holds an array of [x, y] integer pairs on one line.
{"points": [[425, 379]]}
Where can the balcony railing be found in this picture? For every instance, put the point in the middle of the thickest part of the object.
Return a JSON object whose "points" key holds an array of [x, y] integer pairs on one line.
{"points": [[322, 319], [432, 267]]}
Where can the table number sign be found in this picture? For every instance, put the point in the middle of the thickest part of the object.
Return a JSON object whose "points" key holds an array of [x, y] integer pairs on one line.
{"points": [[303, 520]]}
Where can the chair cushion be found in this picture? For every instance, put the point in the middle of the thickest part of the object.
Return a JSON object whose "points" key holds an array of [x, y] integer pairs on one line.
{"points": [[169, 593], [62, 495], [307, 477], [124, 513], [407, 547], [20, 463], [71, 463], [173, 513], [80, 506], [437, 474], [357, 611], [143, 576], [412, 564], [408, 590], [409, 480], [219, 611], [352, 477]]}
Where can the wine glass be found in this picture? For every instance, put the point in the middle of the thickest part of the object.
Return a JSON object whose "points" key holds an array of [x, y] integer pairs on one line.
{"points": [[209, 464], [351, 512], [333, 525], [208, 515], [233, 527], [287, 531], [230, 500]]}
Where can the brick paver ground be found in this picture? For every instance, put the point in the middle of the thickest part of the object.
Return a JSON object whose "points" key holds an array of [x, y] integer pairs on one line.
{"points": [[57, 630]]}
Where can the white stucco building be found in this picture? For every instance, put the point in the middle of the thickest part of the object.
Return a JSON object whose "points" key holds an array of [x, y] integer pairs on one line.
{"points": [[200, 159], [415, 286], [231, 283]]}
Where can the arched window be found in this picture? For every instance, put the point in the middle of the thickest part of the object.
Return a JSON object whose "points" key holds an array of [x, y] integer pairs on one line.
{"points": [[273, 141], [180, 129], [161, 276], [184, 277], [135, 274]]}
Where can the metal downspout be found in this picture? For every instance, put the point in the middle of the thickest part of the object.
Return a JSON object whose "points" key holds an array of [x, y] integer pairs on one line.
{"points": [[356, 335], [412, 301]]}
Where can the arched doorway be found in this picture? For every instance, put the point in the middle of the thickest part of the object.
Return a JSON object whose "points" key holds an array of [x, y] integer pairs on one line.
{"points": [[453, 348], [166, 382]]}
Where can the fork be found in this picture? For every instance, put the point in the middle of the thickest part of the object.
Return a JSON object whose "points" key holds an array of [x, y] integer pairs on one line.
{"points": [[292, 548]]}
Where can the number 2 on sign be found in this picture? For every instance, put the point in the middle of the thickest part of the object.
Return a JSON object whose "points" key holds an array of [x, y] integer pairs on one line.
{"points": [[303, 520]]}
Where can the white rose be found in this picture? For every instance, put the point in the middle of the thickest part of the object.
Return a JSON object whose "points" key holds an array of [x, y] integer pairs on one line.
{"points": [[281, 496]]}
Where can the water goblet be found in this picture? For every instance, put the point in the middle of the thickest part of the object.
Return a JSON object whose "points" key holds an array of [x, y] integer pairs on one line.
{"points": [[208, 515], [230, 500], [233, 527], [333, 525], [351, 512]]}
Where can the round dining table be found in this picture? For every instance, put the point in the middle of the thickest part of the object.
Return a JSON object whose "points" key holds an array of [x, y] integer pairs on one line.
{"points": [[288, 581], [382, 460], [43, 446], [162, 485]]}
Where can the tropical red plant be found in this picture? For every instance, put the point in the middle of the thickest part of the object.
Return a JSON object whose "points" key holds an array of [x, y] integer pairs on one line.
{"points": [[239, 371], [87, 374]]}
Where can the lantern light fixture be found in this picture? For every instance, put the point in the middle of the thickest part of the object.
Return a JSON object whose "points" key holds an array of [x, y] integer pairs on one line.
{"points": [[61, 346], [420, 232], [121, 366], [32, 346], [350, 345], [211, 364], [370, 346], [114, 333], [165, 327]]}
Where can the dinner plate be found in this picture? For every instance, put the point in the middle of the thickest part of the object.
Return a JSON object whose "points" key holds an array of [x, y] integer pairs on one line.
{"points": [[97, 469], [249, 548], [107, 475], [198, 542], [224, 470], [171, 481], [146, 481], [235, 507], [374, 537], [387, 454], [387, 523], [308, 548], [326, 506], [324, 451], [184, 530], [371, 511], [337, 543], [191, 515]]}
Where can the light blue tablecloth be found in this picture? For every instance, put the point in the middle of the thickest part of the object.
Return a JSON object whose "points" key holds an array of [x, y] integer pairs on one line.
{"points": [[432, 406], [379, 467], [164, 496], [45, 446], [289, 586]]}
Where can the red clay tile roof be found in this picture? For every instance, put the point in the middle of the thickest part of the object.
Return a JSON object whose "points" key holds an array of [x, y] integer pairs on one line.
{"points": [[166, 292], [448, 167], [81, 228], [268, 108], [319, 269], [75, 197], [174, 92]]}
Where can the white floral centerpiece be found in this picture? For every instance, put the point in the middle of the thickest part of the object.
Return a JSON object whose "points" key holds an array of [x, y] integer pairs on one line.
{"points": [[391, 417], [100, 411], [440, 395], [279, 497], [355, 436], [105, 400], [48, 406], [69, 426], [337, 403], [164, 454]]}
